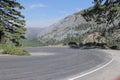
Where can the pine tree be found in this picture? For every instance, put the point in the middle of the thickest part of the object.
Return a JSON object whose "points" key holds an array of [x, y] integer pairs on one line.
{"points": [[107, 10], [104, 11], [107, 14], [12, 22]]}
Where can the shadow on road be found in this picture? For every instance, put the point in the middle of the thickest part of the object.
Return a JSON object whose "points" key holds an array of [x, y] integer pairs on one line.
{"points": [[82, 47]]}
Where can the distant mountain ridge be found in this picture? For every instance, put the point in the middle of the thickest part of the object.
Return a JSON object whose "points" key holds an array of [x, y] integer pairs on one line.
{"points": [[31, 31], [31, 36]]}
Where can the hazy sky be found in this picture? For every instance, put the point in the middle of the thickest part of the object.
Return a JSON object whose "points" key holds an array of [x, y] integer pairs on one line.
{"points": [[42, 13]]}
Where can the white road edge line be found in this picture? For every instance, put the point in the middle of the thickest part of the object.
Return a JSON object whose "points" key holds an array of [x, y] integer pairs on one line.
{"points": [[92, 71]]}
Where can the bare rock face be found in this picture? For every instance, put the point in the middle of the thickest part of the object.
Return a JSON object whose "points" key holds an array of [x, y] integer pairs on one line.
{"points": [[63, 28], [94, 37]]}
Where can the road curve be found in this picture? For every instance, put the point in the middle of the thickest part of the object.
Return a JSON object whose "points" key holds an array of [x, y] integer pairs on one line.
{"points": [[66, 62]]}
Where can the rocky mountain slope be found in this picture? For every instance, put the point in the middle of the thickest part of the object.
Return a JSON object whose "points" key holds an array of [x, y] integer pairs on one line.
{"points": [[64, 28], [75, 28]]}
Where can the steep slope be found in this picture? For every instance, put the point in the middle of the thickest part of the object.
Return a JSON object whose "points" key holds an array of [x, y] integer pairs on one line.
{"points": [[76, 28], [63, 29]]}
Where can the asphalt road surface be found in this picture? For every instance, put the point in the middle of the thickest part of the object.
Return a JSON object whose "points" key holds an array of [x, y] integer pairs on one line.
{"points": [[65, 63]]}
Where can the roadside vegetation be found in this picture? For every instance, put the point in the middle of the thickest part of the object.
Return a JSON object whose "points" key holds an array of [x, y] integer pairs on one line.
{"points": [[10, 49], [12, 27], [106, 13]]}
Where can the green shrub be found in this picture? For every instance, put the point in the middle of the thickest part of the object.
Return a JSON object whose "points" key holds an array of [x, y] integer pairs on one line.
{"points": [[114, 47], [0, 46], [12, 50]]}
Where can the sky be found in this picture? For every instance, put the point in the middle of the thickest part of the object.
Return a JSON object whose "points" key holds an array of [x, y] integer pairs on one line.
{"points": [[43, 13]]}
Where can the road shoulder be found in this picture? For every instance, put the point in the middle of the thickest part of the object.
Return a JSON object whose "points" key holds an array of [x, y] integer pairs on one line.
{"points": [[108, 73]]}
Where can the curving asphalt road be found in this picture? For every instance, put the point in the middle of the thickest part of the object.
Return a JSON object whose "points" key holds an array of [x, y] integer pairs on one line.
{"points": [[64, 64]]}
